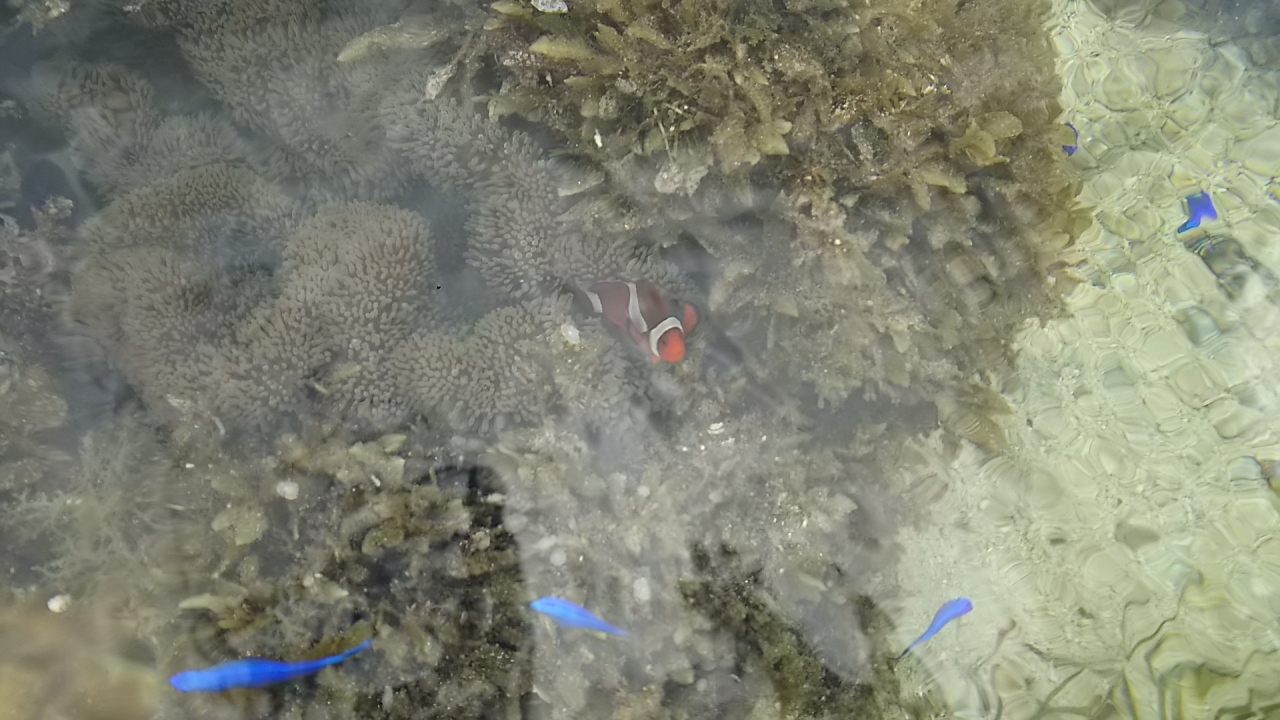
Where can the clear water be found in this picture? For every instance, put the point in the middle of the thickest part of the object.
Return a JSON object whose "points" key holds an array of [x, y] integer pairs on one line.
{"points": [[297, 348]]}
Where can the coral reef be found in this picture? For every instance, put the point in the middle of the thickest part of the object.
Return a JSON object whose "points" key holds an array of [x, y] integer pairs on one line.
{"points": [[221, 291], [891, 175], [313, 240], [214, 292], [895, 256], [869, 185]]}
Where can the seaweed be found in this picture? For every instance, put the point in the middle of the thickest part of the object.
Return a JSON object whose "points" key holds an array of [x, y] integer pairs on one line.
{"points": [[880, 187], [96, 522], [729, 591]]}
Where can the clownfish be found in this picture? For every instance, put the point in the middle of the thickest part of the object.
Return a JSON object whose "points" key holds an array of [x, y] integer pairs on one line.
{"points": [[640, 310]]}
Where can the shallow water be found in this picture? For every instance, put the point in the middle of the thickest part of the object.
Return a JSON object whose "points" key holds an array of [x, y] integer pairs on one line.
{"points": [[295, 350]]}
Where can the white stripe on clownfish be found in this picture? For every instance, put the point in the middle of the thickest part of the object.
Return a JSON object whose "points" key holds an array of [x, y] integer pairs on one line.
{"points": [[659, 330], [633, 309], [594, 299]]}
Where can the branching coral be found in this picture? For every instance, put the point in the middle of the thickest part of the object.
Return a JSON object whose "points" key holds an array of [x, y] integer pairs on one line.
{"points": [[99, 520]]}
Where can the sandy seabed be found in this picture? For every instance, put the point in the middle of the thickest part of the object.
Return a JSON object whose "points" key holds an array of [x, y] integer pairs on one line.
{"points": [[1121, 554]]}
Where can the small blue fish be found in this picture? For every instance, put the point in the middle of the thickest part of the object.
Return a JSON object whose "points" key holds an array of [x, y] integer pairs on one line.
{"points": [[949, 611], [1073, 147], [1199, 207], [254, 672], [572, 615]]}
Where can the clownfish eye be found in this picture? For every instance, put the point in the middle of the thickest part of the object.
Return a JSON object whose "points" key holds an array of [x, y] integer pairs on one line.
{"points": [[671, 345]]}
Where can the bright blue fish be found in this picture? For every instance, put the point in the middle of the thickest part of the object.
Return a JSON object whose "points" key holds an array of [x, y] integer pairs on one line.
{"points": [[1199, 207], [949, 611], [572, 615], [1073, 147], [255, 672]]}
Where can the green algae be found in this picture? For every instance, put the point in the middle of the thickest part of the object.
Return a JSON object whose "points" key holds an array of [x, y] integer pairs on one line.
{"points": [[732, 596]]}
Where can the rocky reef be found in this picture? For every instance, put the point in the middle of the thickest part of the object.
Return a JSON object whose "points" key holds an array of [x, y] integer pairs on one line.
{"points": [[879, 185], [326, 251], [874, 222]]}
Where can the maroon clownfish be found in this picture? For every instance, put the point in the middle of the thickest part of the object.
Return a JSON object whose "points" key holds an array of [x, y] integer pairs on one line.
{"points": [[640, 310]]}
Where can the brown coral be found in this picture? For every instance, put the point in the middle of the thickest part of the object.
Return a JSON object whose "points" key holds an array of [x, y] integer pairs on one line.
{"points": [[208, 291], [364, 272], [280, 78], [108, 113], [520, 237], [205, 290]]}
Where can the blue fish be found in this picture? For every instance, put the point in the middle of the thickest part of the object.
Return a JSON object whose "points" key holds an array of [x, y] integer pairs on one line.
{"points": [[1199, 207], [1071, 149], [572, 615], [949, 611], [254, 672]]}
